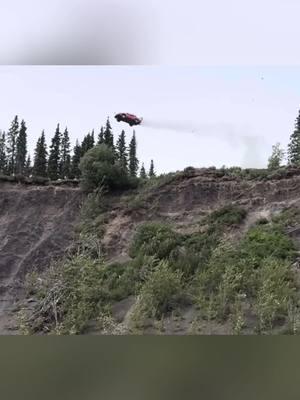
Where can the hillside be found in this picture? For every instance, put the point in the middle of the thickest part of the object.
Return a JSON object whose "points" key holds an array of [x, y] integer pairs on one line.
{"points": [[202, 251], [36, 226]]}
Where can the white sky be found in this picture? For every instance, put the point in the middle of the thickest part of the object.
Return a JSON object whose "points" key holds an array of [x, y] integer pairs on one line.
{"points": [[169, 32], [199, 116]]}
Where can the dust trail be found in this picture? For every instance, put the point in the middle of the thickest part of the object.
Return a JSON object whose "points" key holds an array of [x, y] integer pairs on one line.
{"points": [[235, 136]]}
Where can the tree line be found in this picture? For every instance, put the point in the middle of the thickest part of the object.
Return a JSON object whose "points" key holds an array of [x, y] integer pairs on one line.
{"points": [[59, 161], [293, 150]]}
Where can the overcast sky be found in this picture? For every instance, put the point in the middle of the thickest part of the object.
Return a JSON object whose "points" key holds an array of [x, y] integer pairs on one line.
{"points": [[197, 116], [150, 32]]}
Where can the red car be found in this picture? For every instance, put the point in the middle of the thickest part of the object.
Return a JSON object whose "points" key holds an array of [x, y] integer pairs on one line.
{"points": [[129, 118]]}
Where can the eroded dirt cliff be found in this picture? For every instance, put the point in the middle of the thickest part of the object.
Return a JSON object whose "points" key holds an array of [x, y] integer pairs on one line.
{"points": [[185, 200], [36, 226]]}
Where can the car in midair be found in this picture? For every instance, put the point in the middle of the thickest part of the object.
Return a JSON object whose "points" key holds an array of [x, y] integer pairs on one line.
{"points": [[130, 119]]}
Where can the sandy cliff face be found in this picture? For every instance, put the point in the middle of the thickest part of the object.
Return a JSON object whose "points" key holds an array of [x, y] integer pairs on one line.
{"points": [[36, 226], [37, 222], [183, 202]]}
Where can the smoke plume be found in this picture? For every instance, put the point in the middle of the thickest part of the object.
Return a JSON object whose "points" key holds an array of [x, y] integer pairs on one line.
{"points": [[237, 137]]}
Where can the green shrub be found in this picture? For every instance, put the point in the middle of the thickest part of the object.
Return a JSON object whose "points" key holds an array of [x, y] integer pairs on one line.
{"points": [[228, 215], [266, 241], [98, 168], [160, 294], [154, 239], [276, 292], [73, 292], [287, 217]]}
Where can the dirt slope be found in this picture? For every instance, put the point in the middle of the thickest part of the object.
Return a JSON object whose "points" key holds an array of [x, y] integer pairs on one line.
{"points": [[36, 225], [184, 201]]}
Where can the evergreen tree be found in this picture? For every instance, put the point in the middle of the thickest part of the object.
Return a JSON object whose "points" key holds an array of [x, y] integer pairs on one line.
{"points": [[92, 139], [21, 148], [28, 167], [101, 136], [108, 135], [75, 171], [143, 174], [54, 156], [151, 170], [3, 165], [12, 136], [65, 161], [294, 145], [276, 157], [133, 161], [121, 151], [87, 143], [40, 157]]}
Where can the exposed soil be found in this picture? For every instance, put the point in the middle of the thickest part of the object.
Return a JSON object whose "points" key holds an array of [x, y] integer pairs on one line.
{"points": [[36, 226], [185, 202]]}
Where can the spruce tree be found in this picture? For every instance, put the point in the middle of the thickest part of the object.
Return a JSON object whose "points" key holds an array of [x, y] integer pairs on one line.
{"points": [[28, 167], [12, 136], [65, 161], [101, 136], [143, 174], [54, 156], [108, 135], [3, 166], [151, 170], [133, 161], [294, 145], [40, 157], [121, 151], [92, 139], [75, 171], [21, 148], [87, 143]]}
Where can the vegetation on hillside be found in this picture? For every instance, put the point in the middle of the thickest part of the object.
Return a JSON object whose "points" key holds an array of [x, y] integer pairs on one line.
{"points": [[226, 280]]}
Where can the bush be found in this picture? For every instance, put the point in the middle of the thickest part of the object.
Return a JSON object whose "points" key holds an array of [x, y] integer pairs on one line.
{"points": [[154, 239], [160, 294], [263, 241], [98, 168], [276, 292], [228, 215], [73, 292]]}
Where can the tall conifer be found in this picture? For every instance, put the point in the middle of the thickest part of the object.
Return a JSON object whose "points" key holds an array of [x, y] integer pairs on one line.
{"points": [[54, 156], [143, 174], [133, 161], [3, 166], [108, 135], [121, 151], [40, 157], [294, 145], [151, 170], [65, 161], [12, 136], [21, 148], [75, 171]]}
